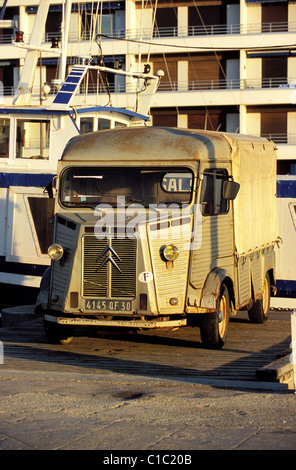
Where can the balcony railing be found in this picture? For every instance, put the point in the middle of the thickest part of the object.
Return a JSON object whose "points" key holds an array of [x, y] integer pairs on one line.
{"points": [[181, 86], [173, 31], [225, 84], [209, 30], [279, 139]]}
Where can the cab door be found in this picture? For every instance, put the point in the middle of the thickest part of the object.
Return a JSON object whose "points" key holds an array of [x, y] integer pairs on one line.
{"points": [[216, 248]]}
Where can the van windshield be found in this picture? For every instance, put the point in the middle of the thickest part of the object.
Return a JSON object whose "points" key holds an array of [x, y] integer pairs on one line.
{"points": [[90, 186]]}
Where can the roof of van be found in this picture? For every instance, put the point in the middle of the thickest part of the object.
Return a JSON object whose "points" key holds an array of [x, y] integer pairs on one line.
{"points": [[155, 144]]}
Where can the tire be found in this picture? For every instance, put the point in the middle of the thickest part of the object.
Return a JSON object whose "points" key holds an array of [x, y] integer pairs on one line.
{"points": [[58, 334], [259, 311], [214, 326]]}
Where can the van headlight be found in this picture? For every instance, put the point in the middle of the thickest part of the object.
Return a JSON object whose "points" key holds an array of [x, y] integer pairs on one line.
{"points": [[170, 252], [55, 251]]}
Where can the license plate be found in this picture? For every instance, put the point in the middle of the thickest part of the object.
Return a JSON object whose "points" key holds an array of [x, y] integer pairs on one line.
{"points": [[108, 305]]}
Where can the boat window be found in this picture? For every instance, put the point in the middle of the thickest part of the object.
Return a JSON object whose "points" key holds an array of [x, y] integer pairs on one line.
{"points": [[86, 125], [4, 138], [104, 124], [32, 139], [119, 125], [88, 187]]}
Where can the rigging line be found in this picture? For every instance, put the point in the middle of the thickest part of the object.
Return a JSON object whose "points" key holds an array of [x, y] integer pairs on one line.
{"points": [[152, 29], [138, 91], [206, 48], [102, 77], [207, 115], [168, 73], [94, 26], [141, 32], [165, 60], [216, 55], [93, 39]]}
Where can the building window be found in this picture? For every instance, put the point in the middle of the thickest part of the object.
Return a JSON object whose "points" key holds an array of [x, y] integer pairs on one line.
{"points": [[274, 17], [110, 22], [164, 118], [207, 20], [51, 74], [274, 71], [274, 126], [166, 22], [53, 25], [207, 119], [169, 66], [204, 72], [7, 34], [7, 71]]}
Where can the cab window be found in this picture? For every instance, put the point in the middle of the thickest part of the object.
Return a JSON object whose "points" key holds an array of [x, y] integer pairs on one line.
{"points": [[212, 200]]}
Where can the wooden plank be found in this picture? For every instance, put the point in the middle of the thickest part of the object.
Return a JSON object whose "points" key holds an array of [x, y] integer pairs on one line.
{"points": [[276, 370]]}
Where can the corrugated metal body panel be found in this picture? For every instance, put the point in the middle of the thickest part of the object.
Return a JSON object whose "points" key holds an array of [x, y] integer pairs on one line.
{"points": [[62, 270], [256, 270], [216, 246], [244, 280], [170, 281]]}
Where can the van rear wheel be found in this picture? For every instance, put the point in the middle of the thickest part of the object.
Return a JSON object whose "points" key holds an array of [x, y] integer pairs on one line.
{"points": [[58, 334], [259, 311], [214, 326]]}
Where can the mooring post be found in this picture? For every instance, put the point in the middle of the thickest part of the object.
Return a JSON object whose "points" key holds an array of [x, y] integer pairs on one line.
{"points": [[1, 353], [293, 345]]}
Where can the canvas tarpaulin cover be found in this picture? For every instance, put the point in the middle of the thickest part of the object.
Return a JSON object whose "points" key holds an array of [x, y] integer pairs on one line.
{"points": [[255, 207]]}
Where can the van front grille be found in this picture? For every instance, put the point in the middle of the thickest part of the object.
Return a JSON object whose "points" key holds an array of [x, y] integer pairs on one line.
{"points": [[109, 267]]}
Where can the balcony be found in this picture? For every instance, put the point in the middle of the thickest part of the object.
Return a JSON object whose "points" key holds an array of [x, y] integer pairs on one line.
{"points": [[209, 30], [225, 84], [181, 86], [173, 32]]}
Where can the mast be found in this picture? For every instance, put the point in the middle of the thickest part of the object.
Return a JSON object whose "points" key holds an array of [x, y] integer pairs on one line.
{"points": [[24, 90], [23, 93], [65, 38]]}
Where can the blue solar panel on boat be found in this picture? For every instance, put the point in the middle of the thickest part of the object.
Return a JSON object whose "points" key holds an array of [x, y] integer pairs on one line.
{"points": [[70, 85], [73, 79], [63, 98]]}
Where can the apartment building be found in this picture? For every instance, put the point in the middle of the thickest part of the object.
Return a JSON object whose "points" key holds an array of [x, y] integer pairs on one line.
{"points": [[228, 65]]}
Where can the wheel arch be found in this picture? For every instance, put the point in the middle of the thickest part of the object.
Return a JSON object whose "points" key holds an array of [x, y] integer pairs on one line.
{"points": [[42, 299], [212, 287]]}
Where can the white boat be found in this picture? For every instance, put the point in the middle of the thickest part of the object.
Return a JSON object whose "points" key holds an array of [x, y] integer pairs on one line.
{"points": [[32, 139], [286, 254]]}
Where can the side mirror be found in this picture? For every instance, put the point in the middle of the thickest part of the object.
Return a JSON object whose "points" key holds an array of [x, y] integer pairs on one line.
{"points": [[50, 187], [48, 190], [230, 189]]}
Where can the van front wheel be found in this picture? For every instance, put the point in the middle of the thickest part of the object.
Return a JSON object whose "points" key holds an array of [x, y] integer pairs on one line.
{"points": [[214, 326], [58, 334]]}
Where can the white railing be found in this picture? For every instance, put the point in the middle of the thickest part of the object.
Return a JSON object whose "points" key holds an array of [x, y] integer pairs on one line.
{"points": [[173, 31], [227, 84], [289, 139], [181, 86]]}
